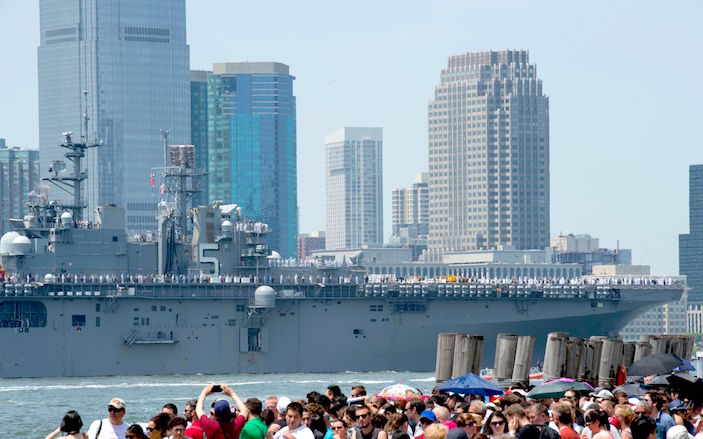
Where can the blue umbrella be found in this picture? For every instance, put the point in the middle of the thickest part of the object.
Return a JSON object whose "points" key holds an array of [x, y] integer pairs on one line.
{"points": [[470, 384]]}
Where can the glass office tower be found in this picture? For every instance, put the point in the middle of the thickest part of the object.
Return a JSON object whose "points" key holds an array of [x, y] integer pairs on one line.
{"points": [[252, 146], [198, 128], [132, 59], [691, 244]]}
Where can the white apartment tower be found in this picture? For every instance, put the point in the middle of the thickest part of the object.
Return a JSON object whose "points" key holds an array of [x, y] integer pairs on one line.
{"points": [[489, 154], [354, 187]]}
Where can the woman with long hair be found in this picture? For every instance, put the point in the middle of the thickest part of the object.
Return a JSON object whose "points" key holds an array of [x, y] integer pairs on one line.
{"points": [[71, 424], [157, 428], [397, 423], [470, 423], [625, 414], [597, 421], [496, 425], [135, 431]]}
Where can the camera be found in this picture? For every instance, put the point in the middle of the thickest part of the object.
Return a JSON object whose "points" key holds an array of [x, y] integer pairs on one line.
{"points": [[216, 388]]}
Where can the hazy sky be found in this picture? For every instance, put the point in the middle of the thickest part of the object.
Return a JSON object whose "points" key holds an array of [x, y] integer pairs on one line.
{"points": [[623, 78]]}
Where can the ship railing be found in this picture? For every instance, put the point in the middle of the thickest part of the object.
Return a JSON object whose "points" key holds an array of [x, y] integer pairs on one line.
{"points": [[488, 291], [345, 289]]}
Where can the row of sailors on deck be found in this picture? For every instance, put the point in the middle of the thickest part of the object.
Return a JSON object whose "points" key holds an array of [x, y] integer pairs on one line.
{"points": [[317, 279]]}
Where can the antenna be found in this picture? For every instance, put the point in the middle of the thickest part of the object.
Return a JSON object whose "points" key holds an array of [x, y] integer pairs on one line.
{"points": [[164, 135], [84, 134], [72, 182]]}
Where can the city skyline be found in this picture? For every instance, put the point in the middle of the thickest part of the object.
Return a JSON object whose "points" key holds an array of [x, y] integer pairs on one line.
{"points": [[617, 103]]}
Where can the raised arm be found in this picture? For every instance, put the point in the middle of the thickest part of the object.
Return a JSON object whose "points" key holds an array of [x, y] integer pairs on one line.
{"points": [[240, 405], [201, 400]]}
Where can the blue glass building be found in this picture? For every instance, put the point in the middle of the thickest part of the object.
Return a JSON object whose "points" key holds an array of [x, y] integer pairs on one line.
{"points": [[131, 58], [198, 128], [19, 175], [691, 244], [252, 145]]}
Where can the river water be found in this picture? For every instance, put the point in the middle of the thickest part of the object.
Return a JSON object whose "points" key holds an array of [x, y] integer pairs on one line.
{"points": [[32, 408]]}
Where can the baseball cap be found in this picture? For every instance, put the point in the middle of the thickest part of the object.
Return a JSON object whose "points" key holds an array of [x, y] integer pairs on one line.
{"points": [[677, 404], [604, 393], [222, 407], [678, 432], [282, 404], [428, 414], [116, 403]]}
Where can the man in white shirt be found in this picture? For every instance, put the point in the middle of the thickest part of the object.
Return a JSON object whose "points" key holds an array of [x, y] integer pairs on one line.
{"points": [[111, 427], [295, 428]]}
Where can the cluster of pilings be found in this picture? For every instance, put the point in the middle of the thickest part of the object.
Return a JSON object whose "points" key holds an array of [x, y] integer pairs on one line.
{"points": [[598, 359], [458, 354], [513, 359], [681, 345]]}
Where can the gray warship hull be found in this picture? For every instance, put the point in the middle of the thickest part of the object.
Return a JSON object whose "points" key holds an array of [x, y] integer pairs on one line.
{"points": [[102, 329]]}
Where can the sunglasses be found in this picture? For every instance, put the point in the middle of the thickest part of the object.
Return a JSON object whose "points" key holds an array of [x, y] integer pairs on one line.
{"points": [[113, 409], [365, 415], [150, 428], [341, 427], [179, 429], [497, 423]]}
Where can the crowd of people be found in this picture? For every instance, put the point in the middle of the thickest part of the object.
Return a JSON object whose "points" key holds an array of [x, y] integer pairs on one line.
{"points": [[598, 415]]}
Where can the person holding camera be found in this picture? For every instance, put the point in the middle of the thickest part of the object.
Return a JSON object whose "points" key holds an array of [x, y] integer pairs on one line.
{"points": [[224, 425]]}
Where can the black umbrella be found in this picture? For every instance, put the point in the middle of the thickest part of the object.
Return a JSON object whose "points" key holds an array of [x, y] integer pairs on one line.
{"points": [[655, 364], [687, 385], [661, 381]]}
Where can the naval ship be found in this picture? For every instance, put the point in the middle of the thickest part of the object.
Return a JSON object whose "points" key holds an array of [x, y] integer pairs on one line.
{"points": [[82, 297]]}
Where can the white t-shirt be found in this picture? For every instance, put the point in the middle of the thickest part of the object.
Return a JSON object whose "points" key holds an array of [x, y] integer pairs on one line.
{"points": [[302, 432], [108, 431]]}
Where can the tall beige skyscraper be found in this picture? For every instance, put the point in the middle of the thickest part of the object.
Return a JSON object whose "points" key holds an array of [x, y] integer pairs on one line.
{"points": [[354, 187], [489, 154]]}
